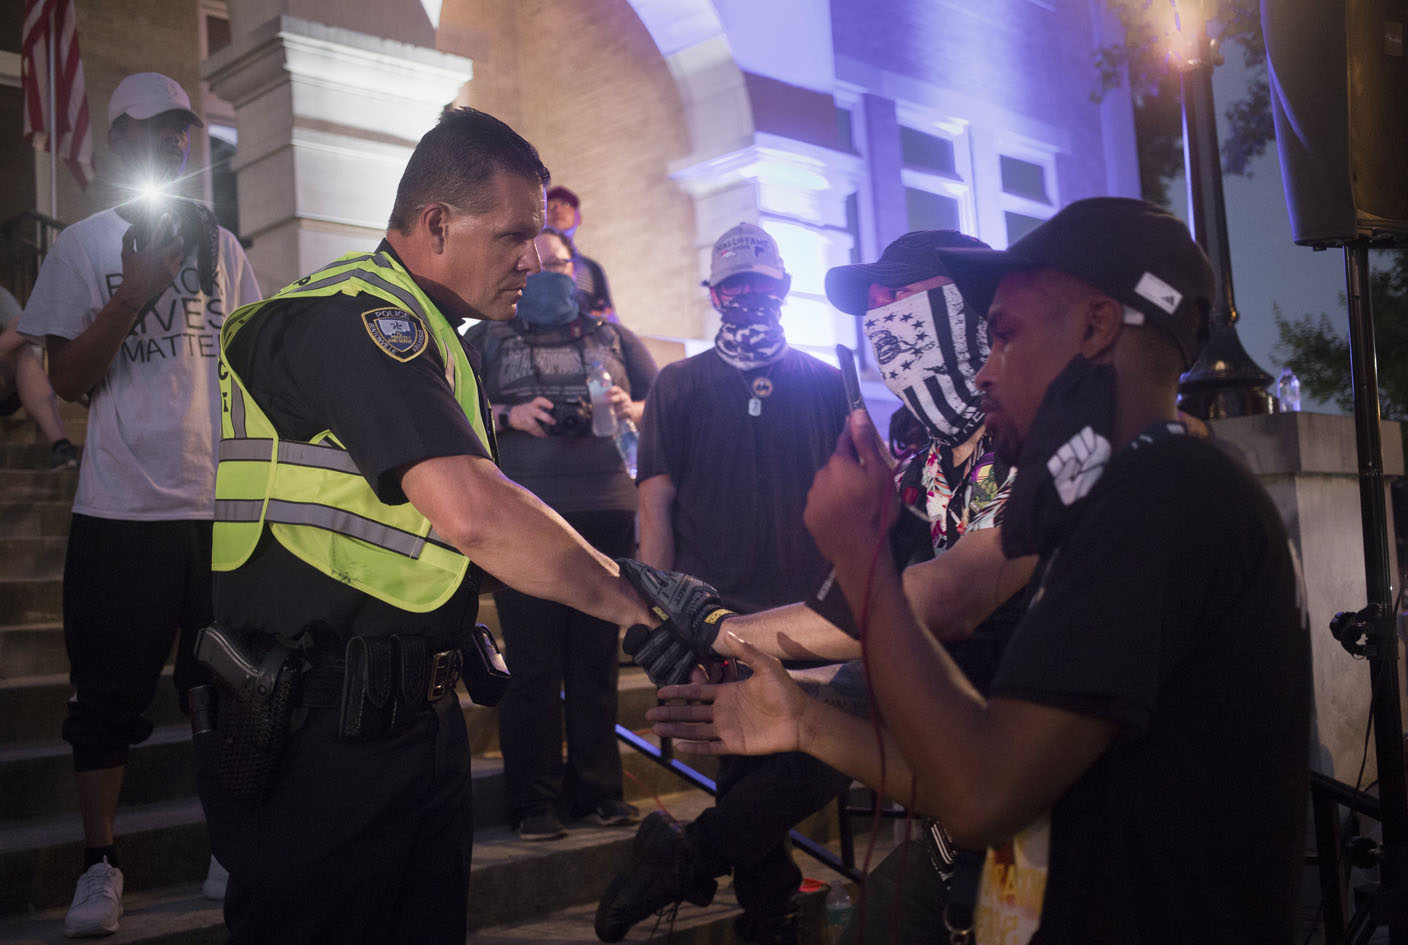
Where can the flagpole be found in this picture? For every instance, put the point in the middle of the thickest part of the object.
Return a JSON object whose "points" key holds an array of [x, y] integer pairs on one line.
{"points": [[52, 119]]}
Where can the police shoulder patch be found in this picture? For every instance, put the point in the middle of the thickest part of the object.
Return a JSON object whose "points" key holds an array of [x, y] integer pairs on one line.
{"points": [[397, 332]]}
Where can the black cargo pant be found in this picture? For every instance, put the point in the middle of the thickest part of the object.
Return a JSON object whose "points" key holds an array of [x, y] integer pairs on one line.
{"points": [[550, 649], [759, 800], [358, 841]]}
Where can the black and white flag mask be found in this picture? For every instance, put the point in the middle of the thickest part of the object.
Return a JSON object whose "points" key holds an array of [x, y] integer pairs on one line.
{"points": [[929, 347]]}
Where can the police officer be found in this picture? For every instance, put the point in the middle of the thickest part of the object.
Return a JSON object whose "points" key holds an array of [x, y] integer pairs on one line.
{"points": [[358, 506]]}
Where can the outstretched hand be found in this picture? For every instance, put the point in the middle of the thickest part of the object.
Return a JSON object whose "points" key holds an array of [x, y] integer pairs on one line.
{"points": [[759, 716], [851, 503]]}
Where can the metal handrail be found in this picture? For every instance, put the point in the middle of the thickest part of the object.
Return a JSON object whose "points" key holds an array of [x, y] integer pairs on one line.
{"points": [[661, 755], [25, 239]]}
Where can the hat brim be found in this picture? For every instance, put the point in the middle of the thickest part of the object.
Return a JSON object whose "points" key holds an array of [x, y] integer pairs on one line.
{"points": [[848, 287], [978, 271], [772, 272], [190, 116]]}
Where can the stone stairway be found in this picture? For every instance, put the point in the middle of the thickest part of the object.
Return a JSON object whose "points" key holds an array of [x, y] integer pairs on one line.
{"points": [[519, 892]]}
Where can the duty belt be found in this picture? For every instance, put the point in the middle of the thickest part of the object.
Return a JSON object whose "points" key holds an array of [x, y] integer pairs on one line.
{"points": [[434, 676]]}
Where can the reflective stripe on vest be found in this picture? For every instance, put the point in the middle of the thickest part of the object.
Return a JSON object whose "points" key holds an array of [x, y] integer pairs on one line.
{"points": [[310, 494]]}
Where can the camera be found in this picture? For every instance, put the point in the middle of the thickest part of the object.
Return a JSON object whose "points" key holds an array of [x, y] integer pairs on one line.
{"points": [[156, 223], [570, 418]]}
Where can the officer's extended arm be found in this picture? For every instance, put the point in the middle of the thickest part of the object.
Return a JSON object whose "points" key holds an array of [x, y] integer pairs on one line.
{"points": [[518, 539]]}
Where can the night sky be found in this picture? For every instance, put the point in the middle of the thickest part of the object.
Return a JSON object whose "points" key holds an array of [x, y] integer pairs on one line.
{"points": [[1267, 268]]}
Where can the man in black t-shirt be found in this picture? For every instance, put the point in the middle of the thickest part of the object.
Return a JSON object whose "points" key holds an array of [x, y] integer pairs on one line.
{"points": [[363, 831], [1140, 766], [729, 443]]}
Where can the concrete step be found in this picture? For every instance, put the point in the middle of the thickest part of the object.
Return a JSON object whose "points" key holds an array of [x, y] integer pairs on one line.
{"points": [[40, 853], [518, 892], [36, 773], [36, 779], [23, 556], [179, 915], [33, 707], [30, 600], [38, 484], [161, 844], [35, 519], [20, 431], [35, 649], [176, 915]]}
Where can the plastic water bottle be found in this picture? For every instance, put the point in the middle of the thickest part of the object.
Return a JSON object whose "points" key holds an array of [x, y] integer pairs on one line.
{"points": [[1288, 391], [838, 910], [599, 386], [627, 439]]}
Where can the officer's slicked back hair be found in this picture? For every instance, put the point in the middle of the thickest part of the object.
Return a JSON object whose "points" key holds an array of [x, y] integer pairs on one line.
{"points": [[455, 162]]}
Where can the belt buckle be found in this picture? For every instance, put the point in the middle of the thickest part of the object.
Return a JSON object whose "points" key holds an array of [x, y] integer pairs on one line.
{"points": [[444, 673]]}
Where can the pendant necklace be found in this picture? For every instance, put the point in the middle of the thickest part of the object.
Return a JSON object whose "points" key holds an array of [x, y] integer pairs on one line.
{"points": [[757, 389]]}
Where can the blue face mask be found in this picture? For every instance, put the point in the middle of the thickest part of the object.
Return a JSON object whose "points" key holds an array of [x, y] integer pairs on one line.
{"points": [[548, 300]]}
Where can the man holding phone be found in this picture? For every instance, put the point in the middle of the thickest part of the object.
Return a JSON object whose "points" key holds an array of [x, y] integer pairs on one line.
{"points": [[131, 319]]}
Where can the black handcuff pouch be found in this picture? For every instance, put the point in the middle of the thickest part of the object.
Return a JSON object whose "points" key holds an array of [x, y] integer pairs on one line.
{"points": [[486, 675]]}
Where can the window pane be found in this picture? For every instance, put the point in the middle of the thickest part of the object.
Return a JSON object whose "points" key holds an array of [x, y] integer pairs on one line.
{"points": [[1019, 225], [930, 152], [845, 132], [1024, 179], [217, 33], [926, 211]]}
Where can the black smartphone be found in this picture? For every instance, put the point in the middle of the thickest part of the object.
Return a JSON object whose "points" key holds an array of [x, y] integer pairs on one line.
{"points": [[847, 360]]}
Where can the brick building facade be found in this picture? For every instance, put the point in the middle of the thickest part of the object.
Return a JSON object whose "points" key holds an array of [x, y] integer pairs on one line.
{"points": [[836, 124]]}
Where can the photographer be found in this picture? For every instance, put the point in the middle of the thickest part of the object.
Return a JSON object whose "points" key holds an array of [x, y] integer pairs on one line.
{"points": [[129, 304], [535, 374]]}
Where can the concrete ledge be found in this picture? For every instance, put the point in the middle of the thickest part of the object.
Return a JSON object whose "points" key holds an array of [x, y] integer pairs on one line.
{"points": [[1306, 443]]}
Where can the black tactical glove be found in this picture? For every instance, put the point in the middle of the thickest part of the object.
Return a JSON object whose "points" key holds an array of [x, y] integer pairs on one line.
{"points": [[692, 614]]}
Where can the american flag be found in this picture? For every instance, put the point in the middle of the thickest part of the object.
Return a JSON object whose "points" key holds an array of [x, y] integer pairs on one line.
{"points": [[49, 26]]}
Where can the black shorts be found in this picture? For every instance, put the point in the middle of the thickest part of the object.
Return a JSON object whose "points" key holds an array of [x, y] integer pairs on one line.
{"points": [[129, 587]]}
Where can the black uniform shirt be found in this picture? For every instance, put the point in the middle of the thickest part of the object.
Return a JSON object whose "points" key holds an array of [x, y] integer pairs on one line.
{"points": [[313, 365]]}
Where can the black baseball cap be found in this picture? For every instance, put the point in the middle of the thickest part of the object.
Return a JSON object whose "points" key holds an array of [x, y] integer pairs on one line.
{"points": [[913, 257], [1133, 251]]}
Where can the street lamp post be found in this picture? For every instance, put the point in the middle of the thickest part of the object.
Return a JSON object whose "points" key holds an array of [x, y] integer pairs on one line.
{"points": [[1225, 381]]}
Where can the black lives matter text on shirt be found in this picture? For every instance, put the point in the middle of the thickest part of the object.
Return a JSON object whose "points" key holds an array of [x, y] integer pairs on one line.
{"points": [[181, 322]]}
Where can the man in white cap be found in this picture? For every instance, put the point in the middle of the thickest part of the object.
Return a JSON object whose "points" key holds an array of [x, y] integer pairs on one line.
{"points": [[729, 443], [129, 305]]}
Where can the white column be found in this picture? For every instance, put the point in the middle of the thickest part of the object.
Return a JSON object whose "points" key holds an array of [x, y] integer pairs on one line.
{"points": [[327, 119]]}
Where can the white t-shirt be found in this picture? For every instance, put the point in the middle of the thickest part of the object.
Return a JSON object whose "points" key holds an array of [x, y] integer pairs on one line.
{"points": [[154, 417]]}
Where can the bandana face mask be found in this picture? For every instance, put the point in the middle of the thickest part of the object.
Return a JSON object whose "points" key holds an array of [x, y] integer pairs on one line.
{"points": [[750, 335], [929, 349]]}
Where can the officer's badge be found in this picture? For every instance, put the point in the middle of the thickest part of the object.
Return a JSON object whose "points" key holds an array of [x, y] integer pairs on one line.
{"points": [[397, 332]]}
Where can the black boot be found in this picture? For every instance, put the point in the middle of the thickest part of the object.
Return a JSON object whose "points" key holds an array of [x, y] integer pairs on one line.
{"points": [[662, 872]]}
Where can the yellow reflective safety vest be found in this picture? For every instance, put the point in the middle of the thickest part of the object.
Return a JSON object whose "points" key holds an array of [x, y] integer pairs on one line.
{"points": [[309, 494]]}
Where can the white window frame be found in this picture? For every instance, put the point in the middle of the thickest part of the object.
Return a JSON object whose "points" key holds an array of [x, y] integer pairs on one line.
{"points": [[958, 187], [1033, 152]]}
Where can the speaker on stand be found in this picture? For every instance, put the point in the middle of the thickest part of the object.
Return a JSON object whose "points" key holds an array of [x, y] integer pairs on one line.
{"points": [[1339, 93]]}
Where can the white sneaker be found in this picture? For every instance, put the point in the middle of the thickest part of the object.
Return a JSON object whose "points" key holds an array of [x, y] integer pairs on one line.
{"points": [[215, 880], [97, 902]]}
